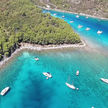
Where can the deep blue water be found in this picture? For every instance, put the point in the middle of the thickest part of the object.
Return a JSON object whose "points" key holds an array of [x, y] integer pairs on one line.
{"points": [[30, 89]]}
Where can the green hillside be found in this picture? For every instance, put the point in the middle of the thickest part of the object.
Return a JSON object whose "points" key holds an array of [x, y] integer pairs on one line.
{"points": [[92, 7], [22, 21]]}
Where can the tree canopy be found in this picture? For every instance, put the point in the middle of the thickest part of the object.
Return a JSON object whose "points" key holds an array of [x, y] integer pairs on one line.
{"points": [[22, 21]]}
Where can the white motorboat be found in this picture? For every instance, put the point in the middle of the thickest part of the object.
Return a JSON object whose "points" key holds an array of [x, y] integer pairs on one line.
{"points": [[86, 16], [70, 86], [36, 59], [80, 26], [77, 73], [63, 16], [54, 14], [87, 29], [4, 91], [104, 80], [77, 16], [47, 74], [71, 21], [99, 32]]}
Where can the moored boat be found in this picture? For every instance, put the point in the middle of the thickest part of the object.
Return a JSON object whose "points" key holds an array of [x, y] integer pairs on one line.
{"points": [[36, 59], [71, 21], [99, 32], [70, 86], [4, 91], [77, 16], [80, 26], [87, 29], [63, 16], [77, 73], [104, 80], [54, 14], [47, 74], [86, 16]]}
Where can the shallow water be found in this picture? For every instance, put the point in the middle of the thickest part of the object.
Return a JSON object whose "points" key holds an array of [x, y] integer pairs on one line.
{"points": [[30, 89]]}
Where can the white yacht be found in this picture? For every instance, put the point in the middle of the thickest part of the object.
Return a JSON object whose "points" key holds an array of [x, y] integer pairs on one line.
{"points": [[80, 26], [70, 86], [104, 80], [54, 14], [47, 74], [77, 16], [87, 29], [36, 59], [63, 16], [86, 16], [71, 21], [99, 32], [77, 73], [4, 91]]}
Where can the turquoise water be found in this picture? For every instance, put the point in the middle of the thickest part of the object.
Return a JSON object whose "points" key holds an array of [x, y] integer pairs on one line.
{"points": [[93, 23], [30, 89]]}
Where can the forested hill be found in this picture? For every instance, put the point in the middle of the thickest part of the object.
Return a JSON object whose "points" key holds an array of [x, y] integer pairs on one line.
{"points": [[22, 21], [92, 7]]}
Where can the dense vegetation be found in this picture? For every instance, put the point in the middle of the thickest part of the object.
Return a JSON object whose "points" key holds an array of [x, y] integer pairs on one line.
{"points": [[92, 7], [22, 21]]}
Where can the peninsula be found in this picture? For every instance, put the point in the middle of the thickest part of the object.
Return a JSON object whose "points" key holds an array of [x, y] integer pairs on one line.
{"points": [[21, 21]]}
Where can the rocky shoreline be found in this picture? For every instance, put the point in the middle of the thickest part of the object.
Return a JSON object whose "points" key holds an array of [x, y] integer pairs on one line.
{"points": [[27, 46], [87, 15]]}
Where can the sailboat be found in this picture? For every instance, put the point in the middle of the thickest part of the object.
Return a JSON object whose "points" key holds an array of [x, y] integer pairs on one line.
{"points": [[77, 73], [4, 91], [70, 86], [99, 32], [104, 80]]}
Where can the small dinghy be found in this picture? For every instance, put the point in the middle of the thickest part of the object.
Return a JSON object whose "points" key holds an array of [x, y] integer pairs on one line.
{"points": [[36, 59], [80, 26], [77, 73], [87, 29], [104, 80], [99, 32], [4, 91], [70, 86], [47, 74], [77, 16]]}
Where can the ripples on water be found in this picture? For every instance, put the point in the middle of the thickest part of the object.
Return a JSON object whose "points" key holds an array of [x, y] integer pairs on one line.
{"points": [[30, 89]]}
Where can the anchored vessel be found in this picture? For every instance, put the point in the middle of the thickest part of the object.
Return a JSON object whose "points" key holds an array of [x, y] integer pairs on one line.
{"points": [[71, 21], [77, 16], [4, 91], [80, 26], [70, 86], [104, 80], [99, 32], [54, 13], [77, 73], [36, 59], [47, 74], [87, 28], [63, 16]]}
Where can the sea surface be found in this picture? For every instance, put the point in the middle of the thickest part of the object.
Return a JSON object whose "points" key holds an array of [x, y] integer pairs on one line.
{"points": [[31, 89]]}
